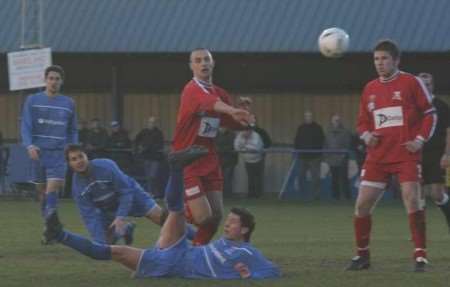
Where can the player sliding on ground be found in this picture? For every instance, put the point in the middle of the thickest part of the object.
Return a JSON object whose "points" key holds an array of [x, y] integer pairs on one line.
{"points": [[230, 257]]}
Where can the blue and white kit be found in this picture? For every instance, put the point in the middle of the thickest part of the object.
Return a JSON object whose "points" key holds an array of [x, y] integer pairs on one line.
{"points": [[107, 193], [220, 259], [48, 123]]}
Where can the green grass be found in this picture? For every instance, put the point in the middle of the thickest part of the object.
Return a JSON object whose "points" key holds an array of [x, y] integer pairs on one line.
{"points": [[311, 242]]}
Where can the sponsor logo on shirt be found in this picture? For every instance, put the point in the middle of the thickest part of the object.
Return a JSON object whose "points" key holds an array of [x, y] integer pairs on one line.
{"points": [[209, 127], [388, 117], [397, 96], [50, 122]]}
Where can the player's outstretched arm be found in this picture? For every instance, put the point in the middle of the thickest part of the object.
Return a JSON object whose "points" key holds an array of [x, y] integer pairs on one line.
{"points": [[239, 115]]}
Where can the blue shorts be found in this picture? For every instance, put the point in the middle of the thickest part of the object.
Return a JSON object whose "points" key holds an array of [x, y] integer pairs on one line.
{"points": [[51, 165], [167, 262], [142, 204]]}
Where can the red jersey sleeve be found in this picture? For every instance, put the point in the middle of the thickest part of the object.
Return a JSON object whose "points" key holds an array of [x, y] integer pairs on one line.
{"points": [[226, 120], [424, 104], [364, 121]]}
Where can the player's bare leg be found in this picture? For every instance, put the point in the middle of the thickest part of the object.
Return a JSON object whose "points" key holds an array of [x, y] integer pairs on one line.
{"points": [[156, 215], [207, 212], [412, 200], [200, 209], [367, 199], [126, 255]]}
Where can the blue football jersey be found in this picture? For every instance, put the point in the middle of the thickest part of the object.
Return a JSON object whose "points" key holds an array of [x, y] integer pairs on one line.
{"points": [[49, 122], [226, 259]]}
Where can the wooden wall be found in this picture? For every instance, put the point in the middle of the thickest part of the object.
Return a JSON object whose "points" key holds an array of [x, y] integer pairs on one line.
{"points": [[279, 114], [89, 105]]}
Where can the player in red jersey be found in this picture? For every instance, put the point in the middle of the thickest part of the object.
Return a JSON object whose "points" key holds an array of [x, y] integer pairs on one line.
{"points": [[204, 107], [395, 118]]}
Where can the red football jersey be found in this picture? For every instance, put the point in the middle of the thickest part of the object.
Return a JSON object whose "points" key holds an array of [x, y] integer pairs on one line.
{"points": [[198, 124], [399, 109]]}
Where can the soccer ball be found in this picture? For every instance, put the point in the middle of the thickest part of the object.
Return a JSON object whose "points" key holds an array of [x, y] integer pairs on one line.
{"points": [[333, 42]]}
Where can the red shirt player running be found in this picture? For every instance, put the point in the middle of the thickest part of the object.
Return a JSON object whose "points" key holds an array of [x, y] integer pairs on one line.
{"points": [[395, 118], [203, 109]]}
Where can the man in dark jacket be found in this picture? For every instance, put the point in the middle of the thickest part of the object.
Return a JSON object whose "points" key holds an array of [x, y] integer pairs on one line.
{"points": [[119, 146], [97, 140], [310, 135], [338, 137], [149, 146], [228, 158]]}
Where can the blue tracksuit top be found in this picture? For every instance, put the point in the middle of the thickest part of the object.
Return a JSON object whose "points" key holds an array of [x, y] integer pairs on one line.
{"points": [[49, 122], [226, 259], [105, 189]]}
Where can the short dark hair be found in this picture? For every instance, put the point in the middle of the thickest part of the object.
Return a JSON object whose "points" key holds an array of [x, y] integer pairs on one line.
{"points": [[198, 49], [389, 46], [56, 69], [72, 148], [247, 220]]}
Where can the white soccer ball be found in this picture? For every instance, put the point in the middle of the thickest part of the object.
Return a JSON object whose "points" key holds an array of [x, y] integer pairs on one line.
{"points": [[333, 42]]}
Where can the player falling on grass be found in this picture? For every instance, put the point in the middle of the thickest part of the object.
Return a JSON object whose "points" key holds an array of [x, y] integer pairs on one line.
{"points": [[395, 119], [48, 123], [230, 257], [436, 153], [204, 107], [105, 197]]}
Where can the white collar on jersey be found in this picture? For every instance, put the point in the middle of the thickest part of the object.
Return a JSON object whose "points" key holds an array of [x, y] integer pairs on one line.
{"points": [[392, 77], [203, 84]]}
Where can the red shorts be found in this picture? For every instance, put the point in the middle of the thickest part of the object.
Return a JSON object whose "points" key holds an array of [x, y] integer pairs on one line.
{"points": [[377, 175], [196, 186]]}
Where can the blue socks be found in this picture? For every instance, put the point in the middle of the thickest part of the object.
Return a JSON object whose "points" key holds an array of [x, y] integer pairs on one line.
{"points": [[51, 199], [43, 205], [174, 191], [85, 246]]}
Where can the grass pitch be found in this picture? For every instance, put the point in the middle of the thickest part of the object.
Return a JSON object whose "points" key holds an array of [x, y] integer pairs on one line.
{"points": [[311, 242]]}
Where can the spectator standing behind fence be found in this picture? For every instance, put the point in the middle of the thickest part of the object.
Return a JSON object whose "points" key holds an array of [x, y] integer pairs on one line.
{"points": [[251, 145], [119, 146], [338, 137], [149, 147], [97, 140], [246, 104], [228, 158], [310, 135]]}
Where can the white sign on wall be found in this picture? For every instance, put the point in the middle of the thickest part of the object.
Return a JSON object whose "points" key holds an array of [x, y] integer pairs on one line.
{"points": [[26, 68]]}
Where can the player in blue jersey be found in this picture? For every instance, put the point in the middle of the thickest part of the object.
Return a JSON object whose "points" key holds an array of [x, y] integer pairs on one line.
{"points": [[49, 122], [105, 196], [230, 257]]}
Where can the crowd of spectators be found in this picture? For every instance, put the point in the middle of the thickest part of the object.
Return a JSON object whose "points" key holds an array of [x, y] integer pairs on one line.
{"points": [[143, 157]]}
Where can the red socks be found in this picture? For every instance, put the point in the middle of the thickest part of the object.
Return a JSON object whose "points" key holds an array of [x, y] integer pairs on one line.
{"points": [[204, 234], [362, 226], [416, 224], [418, 232]]}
